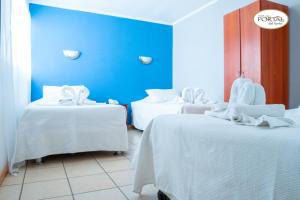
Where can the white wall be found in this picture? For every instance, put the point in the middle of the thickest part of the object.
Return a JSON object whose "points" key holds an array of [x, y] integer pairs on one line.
{"points": [[3, 157], [198, 57]]}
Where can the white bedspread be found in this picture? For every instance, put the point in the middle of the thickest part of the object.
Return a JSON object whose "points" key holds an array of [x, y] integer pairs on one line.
{"points": [[195, 157], [47, 130], [143, 112]]}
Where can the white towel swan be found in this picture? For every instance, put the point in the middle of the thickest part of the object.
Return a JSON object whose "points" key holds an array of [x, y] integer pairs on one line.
{"points": [[193, 95], [83, 95], [75, 95], [187, 94]]}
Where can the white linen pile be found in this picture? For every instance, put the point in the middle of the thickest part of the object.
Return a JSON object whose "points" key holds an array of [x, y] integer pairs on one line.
{"points": [[66, 95], [247, 107], [271, 116]]}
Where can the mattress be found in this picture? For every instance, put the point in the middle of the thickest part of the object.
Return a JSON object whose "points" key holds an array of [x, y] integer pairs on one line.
{"points": [[192, 157], [143, 112], [47, 130]]}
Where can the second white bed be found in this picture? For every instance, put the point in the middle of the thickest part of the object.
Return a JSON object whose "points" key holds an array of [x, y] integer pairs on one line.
{"points": [[144, 111], [47, 130]]}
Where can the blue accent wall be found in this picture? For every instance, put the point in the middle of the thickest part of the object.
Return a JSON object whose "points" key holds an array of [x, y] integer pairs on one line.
{"points": [[110, 47]]}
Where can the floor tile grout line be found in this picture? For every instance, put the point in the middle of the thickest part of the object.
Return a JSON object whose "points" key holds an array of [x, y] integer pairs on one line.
{"points": [[120, 170], [42, 167], [112, 180], [54, 197], [43, 181], [97, 190], [119, 188], [22, 186], [68, 180], [73, 177], [64, 167]]}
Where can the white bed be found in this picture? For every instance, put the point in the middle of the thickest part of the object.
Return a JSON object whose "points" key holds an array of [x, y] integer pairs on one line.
{"points": [[192, 157], [47, 130], [144, 111]]}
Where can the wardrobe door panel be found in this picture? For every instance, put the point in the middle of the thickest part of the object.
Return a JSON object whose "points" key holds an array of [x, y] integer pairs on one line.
{"points": [[250, 43], [275, 59], [232, 50]]}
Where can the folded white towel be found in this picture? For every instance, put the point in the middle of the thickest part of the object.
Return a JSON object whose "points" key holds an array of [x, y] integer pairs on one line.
{"points": [[187, 94], [68, 96], [199, 96], [271, 116], [267, 121], [219, 107], [217, 114], [194, 95], [83, 95], [244, 91], [67, 102], [256, 111], [236, 89], [194, 109], [78, 95], [68, 92], [260, 95], [246, 94]]}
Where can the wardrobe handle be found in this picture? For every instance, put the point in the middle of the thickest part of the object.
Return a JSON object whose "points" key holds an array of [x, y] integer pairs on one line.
{"points": [[243, 75], [238, 74]]}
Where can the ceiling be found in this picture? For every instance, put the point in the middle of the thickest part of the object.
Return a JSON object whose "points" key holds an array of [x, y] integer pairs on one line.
{"points": [[158, 11]]}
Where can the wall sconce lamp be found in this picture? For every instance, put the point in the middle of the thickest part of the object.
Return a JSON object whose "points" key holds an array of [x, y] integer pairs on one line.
{"points": [[71, 54], [145, 60]]}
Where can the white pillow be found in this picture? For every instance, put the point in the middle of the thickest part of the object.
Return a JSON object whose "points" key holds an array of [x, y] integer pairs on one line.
{"points": [[51, 93], [161, 95]]}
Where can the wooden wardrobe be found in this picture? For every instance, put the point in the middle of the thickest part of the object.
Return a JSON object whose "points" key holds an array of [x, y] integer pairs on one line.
{"points": [[255, 53]]}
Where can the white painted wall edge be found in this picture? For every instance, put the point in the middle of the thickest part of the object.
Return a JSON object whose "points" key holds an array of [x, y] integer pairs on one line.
{"points": [[102, 13], [39, 2], [195, 12]]}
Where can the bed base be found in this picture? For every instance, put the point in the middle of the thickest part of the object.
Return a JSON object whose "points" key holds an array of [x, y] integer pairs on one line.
{"points": [[118, 153], [39, 161], [162, 196]]}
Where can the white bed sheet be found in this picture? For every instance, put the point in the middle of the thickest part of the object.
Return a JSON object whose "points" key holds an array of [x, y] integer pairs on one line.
{"points": [[48, 130], [143, 112], [192, 157]]}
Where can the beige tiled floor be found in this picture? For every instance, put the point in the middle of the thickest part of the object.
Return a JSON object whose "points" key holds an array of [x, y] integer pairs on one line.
{"points": [[84, 176]]}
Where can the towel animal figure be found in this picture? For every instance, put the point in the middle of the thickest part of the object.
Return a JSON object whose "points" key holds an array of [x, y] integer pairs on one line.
{"points": [[199, 96], [247, 106], [188, 95], [83, 95], [193, 95], [75, 95], [244, 91], [68, 96]]}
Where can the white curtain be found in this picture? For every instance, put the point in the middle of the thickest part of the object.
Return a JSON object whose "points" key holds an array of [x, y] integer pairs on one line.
{"points": [[15, 69]]}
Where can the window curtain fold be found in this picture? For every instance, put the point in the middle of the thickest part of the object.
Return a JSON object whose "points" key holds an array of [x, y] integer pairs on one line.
{"points": [[15, 69]]}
